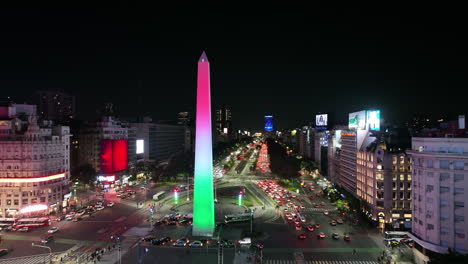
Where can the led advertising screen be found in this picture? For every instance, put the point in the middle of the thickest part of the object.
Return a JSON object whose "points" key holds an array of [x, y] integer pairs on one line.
{"points": [[120, 155], [268, 123], [140, 146], [373, 119], [106, 156], [321, 120], [357, 120], [114, 156]]}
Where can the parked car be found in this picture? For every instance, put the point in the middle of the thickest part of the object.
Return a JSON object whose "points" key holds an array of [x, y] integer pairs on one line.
{"points": [[227, 243], [111, 204], [23, 229], [347, 238], [321, 235], [335, 236], [257, 245], [302, 236]]}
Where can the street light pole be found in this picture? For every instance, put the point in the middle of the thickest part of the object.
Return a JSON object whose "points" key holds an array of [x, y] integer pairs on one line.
{"points": [[50, 250]]}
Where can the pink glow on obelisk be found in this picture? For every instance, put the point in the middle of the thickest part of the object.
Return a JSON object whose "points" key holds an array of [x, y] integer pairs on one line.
{"points": [[203, 200]]}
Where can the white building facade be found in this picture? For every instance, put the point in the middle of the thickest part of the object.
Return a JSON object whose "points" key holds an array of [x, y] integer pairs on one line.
{"points": [[34, 163], [440, 186]]}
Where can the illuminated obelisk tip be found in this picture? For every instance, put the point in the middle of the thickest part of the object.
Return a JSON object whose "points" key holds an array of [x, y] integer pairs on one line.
{"points": [[203, 200]]}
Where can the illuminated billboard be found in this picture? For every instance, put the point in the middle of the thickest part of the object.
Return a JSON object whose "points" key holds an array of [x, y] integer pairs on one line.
{"points": [[140, 146], [321, 120], [268, 123], [357, 120], [373, 119], [114, 156]]}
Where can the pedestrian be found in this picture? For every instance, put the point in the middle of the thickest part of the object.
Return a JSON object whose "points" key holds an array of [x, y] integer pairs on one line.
{"points": [[354, 251], [108, 248], [99, 258]]}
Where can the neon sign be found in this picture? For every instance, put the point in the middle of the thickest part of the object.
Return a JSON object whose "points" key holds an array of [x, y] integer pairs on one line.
{"points": [[33, 179]]}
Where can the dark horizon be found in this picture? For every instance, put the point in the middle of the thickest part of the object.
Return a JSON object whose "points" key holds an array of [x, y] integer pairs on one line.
{"points": [[288, 63]]}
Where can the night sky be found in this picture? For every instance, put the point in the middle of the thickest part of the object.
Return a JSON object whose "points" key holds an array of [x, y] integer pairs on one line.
{"points": [[288, 62]]}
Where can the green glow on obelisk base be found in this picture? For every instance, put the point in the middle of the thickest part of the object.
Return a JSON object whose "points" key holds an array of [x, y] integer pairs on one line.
{"points": [[203, 200]]}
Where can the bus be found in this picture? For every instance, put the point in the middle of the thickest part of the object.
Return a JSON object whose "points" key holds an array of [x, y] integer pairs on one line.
{"points": [[32, 222], [7, 222], [159, 195], [395, 236], [238, 218]]}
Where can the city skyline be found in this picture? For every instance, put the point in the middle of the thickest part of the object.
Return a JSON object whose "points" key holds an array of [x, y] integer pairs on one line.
{"points": [[286, 61]]}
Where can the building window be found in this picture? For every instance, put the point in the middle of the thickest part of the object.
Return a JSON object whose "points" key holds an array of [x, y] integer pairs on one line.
{"points": [[34, 200], [459, 204], [459, 218], [402, 196], [429, 188], [430, 227], [459, 190], [409, 177], [444, 189], [394, 195], [8, 202], [402, 177], [429, 164], [43, 199], [24, 201], [458, 165], [444, 176], [430, 174], [458, 177], [444, 164]]}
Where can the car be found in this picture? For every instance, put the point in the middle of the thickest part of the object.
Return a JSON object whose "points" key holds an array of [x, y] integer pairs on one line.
{"points": [[48, 239], [148, 238], [99, 208], [410, 244], [184, 221], [111, 204], [335, 236], [302, 218], [301, 236], [301, 206], [3, 252], [245, 241], [339, 221], [196, 244], [257, 245], [69, 218], [347, 238], [296, 221], [333, 223], [164, 240], [226, 243], [53, 230], [298, 227], [321, 235], [316, 205], [6, 228], [326, 213], [180, 243], [23, 229], [310, 228], [81, 212], [406, 240], [311, 197], [317, 225]]}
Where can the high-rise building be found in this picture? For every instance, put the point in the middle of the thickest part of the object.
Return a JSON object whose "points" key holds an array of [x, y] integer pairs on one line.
{"points": [[103, 144], [160, 141], [34, 163], [383, 182], [440, 178], [223, 120], [55, 105]]}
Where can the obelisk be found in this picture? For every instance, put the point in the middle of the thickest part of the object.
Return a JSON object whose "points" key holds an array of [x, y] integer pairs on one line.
{"points": [[203, 200]]}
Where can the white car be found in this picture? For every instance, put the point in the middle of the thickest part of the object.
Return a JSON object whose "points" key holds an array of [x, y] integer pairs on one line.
{"points": [[245, 241], [110, 204], [53, 230], [196, 244], [302, 218], [99, 208]]}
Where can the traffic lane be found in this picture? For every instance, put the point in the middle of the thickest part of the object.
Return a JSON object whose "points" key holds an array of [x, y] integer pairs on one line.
{"points": [[152, 254]]}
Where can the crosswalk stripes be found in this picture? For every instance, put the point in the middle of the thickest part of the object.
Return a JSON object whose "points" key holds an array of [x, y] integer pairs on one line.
{"points": [[286, 261]]}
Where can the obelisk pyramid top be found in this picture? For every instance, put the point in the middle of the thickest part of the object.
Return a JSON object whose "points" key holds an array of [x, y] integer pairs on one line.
{"points": [[203, 58]]}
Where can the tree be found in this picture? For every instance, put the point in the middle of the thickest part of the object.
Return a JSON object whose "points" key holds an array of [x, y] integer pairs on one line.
{"points": [[84, 173]]}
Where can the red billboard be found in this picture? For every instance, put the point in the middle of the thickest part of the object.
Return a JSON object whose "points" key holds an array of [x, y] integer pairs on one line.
{"points": [[114, 156]]}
